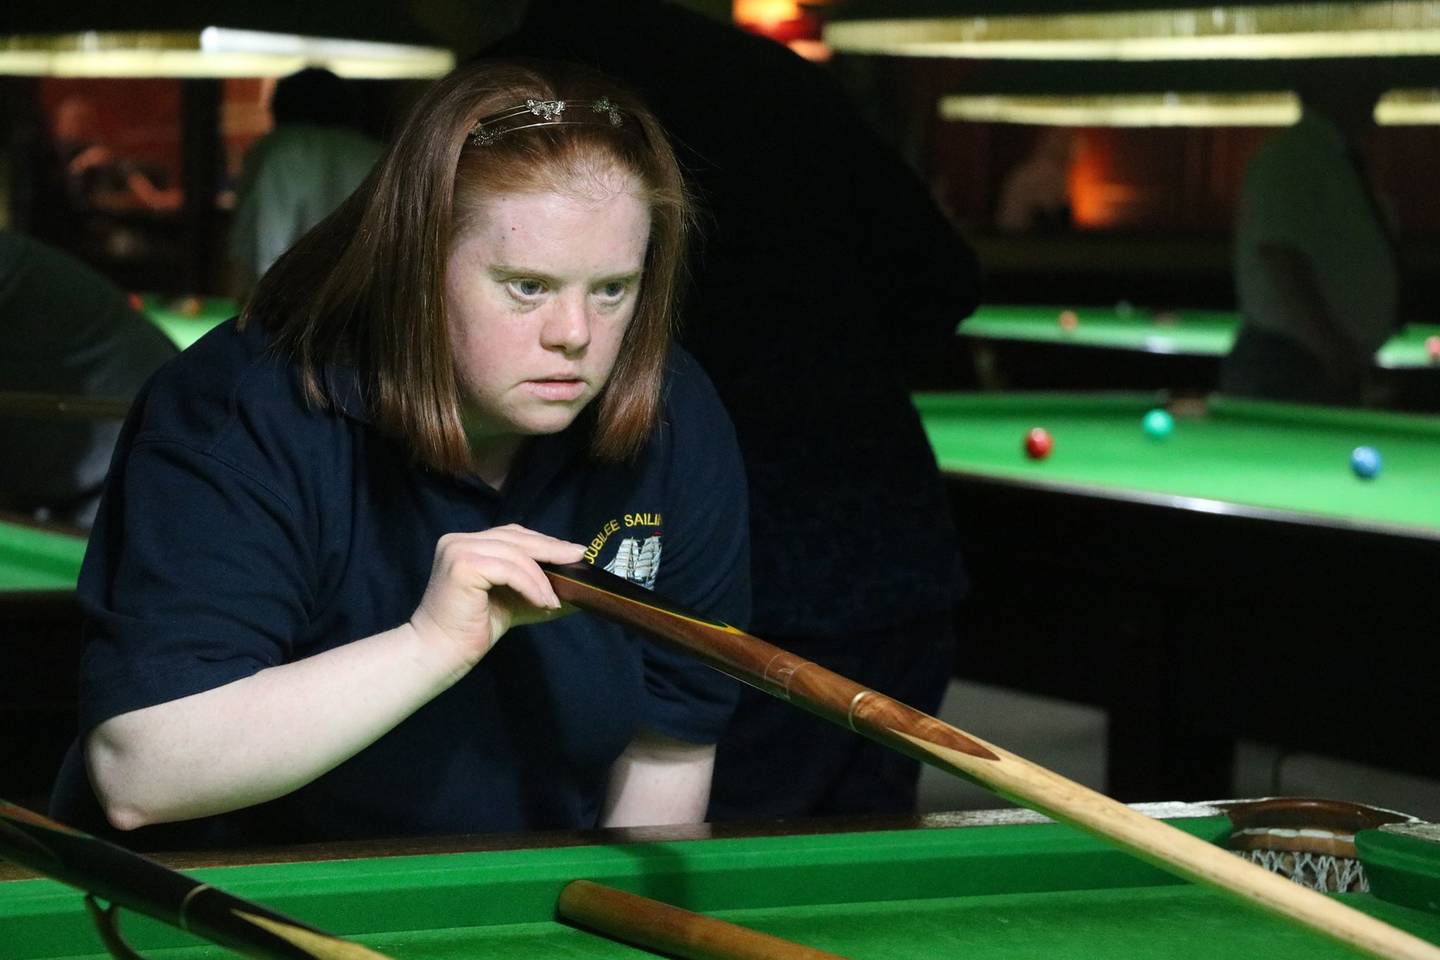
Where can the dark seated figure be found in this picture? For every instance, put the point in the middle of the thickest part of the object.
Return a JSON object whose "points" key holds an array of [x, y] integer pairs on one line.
{"points": [[67, 330]]}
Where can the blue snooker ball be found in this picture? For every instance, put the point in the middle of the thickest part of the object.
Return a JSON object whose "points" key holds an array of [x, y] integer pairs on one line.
{"points": [[1158, 424], [1365, 461]]}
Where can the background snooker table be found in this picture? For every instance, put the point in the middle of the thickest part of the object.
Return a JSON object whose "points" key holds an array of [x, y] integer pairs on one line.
{"points": [[185, 319], [984, 885], [1235, 580], [36, 561], [1122, 347]]}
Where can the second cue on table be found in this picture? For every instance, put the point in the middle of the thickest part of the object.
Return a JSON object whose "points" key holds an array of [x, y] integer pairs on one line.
{"points": [[913, 733], [670, 930]]}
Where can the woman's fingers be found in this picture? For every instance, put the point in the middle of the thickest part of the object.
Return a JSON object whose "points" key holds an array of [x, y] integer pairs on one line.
{"points": [[509, 557], [481, 583]]}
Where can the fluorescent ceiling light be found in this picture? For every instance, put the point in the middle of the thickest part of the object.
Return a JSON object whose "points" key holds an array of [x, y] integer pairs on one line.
{"points": [[214, 52], [1402, 108], [1128, 110], [1281, 31], [1396, 108]]}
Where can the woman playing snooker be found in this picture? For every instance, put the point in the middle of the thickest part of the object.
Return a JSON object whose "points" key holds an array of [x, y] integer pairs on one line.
{"points": [[316, 609]]}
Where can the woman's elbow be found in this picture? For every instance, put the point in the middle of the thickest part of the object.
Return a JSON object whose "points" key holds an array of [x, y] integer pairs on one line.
{"points": [[110, 766], [123, 817]]}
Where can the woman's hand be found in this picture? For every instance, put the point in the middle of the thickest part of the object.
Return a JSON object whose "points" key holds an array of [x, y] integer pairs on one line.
{"points": [[482, 584]]}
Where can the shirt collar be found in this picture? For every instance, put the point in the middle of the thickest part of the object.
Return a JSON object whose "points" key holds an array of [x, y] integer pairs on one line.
{"points": [[541, 462]]}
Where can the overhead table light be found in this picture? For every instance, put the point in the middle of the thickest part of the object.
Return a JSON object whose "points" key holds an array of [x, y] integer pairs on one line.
{"points": [[214, 52], [1127, 110], [1409, 108], [199, 42], [1277, 109], [1221, 32]]}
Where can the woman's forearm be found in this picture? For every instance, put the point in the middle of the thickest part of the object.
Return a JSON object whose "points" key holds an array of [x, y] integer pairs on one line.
{"points": [[265, 735]]}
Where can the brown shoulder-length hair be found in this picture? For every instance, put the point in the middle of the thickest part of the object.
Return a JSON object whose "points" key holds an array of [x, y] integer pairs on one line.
{"points": [[366, 287]]}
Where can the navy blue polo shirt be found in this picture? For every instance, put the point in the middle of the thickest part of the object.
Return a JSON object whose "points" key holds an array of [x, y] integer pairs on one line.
{"points": [[244, 528]]}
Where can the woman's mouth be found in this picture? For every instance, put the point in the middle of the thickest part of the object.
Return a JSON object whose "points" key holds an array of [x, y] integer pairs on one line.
{"points": [[558, 389]]}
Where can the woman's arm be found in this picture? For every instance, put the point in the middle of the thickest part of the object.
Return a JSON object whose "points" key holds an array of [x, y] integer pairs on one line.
{"points": [[267, 734], [659, 780]]}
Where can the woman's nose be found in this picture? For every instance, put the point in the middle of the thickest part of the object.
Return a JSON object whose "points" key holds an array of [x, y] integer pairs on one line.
{"points": [[567, 328]]}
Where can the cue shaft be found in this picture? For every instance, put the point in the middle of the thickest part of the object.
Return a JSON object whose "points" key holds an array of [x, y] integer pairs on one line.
{"points": [[62, 406], [670, 930], [128, 880], [930, 740]]}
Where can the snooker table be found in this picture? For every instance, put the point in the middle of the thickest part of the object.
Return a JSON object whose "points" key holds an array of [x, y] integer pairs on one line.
{"points": [[996, 884], [1124, 347], [184, 319], [1234, 580]]}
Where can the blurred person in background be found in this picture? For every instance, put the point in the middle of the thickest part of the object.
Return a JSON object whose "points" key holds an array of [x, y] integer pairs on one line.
{"points": [[1316, 269], [1036, 195], [67, 331], [299, 172]]}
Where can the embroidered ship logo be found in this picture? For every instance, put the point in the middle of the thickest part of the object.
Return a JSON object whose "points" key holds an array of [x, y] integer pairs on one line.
{"points": [[637, 560]]}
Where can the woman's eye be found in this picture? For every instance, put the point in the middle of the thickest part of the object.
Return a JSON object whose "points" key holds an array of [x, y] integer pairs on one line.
{"points": [[614, 290], [526, 288]]}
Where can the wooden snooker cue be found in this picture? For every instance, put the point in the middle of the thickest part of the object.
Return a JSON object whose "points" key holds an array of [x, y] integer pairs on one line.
{"points": [[62, 406], [919, 735], [128, 880], [670, 930]]}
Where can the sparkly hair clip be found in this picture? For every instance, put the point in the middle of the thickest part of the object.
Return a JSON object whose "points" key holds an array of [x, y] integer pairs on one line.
{"points": [[543, 113]]}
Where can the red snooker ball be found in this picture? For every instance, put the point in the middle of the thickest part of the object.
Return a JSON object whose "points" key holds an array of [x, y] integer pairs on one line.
{"points": [[1432, 349], [1068, 319], [1038, 443]]}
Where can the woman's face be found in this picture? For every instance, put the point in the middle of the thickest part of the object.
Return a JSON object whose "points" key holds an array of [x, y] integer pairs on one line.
{"points": [[539, 288]]}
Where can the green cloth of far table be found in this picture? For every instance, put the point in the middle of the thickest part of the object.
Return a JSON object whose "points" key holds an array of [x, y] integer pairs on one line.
{"points": [[1277, 456], [32, 559], [186, 319], [1193, 332]]}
